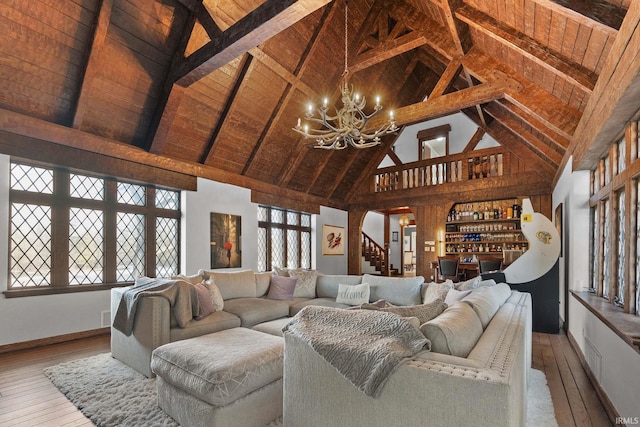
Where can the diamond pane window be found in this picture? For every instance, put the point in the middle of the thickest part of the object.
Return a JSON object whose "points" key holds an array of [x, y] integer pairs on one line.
{"points": [[277, 247], [277, 216], [166, 199], [607, 170], [305, 220], [621, 249], [262, 249], [606, 270], [130, 246], [131, 194], [305, 259], [166, 247], [86, 187], [31, 178], [292, 218], [86, 246], [30, 256], [595, 248], [622, 155], [263, 213], [596, 181], [292, 249]]}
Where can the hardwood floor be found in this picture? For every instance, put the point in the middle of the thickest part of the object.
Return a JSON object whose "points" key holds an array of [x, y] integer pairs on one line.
{"points": [[27, 398]]}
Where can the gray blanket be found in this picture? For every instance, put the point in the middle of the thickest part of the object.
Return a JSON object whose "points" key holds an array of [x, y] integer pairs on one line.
{"points": [[182, 297], [364, 346]]}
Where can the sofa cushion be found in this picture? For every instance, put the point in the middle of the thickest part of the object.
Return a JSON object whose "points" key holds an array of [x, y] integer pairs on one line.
{"points": [[236, 284], [306, 284], [327, 286], [353, 294], [282, 288], [454, 295], [263, 280], [486, 301], [396, 290], [435, 291], [193, 279], [216, 321], [223, 367], [252, 311], [323, 302], [455, 331]]}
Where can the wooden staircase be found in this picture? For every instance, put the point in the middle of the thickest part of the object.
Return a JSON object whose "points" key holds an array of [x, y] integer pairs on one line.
{"points": [[377, 256]]}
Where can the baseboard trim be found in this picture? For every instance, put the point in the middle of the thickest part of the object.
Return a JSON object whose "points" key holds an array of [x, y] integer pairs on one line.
{"points": [[608, 406], [7, 348]]}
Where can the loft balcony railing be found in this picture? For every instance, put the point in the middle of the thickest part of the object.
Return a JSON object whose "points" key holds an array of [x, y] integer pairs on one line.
{"points": [[478, 164]]}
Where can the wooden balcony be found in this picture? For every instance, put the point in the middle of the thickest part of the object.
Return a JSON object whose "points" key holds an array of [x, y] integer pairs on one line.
{"points": [[474, 165]]}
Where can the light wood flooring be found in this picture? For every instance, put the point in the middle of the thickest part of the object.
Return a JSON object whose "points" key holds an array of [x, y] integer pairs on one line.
{"points": [[27, 397]]}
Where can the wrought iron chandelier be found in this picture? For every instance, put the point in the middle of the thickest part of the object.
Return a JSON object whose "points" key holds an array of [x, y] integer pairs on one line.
{"points": [[347, 126]]}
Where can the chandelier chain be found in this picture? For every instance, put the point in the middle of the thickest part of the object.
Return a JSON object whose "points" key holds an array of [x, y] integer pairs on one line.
{"points": [[346, 37]]}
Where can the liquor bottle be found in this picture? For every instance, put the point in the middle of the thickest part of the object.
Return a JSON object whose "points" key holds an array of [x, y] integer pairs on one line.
{"points": [[476, 214], [487, 212]]}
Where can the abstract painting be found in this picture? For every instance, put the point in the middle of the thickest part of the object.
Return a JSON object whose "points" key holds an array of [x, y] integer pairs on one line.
{"points": [[226, 234], [332, 240]]}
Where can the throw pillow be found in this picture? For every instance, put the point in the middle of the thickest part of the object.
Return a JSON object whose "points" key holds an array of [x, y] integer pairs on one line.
{"points": [[468, 284], [353, 295], [282, 288], [215, 295], [436, 291], [281, 271], [454, 295], [424, 312], [306, 286], [204, 300]]}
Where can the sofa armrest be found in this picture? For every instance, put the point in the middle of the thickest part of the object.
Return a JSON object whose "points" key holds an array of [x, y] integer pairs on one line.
{"points": [[151, 329]]}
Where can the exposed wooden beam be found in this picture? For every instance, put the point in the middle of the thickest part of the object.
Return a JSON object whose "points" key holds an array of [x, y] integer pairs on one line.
{"points": [[393, 156], [450, 103], [537, 102], [475, 139], [543, 150], [204, 18], [615, 97], [30, 127], [340, 177], [258, 26], [452, 24], [92, 67], [191, 5], [388, 49], [208, 153], [281, 71], [170, 97], [583, 78], [447, 78]]}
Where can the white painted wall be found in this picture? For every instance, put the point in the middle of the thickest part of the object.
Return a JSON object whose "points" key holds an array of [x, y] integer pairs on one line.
{"points": [[31, 318], [462, 129], [619, 366]]}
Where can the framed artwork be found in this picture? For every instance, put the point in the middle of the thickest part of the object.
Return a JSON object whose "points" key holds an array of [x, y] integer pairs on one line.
{"points": [[394, 236], [332, 240], [226, 234], [558, 221]]}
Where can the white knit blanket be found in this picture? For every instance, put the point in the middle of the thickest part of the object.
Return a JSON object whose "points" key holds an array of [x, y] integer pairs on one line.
{"points": [[364, 346]]}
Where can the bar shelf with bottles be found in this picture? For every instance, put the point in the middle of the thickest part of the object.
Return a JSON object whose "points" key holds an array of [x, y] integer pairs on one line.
{"points": [[484, 228]]}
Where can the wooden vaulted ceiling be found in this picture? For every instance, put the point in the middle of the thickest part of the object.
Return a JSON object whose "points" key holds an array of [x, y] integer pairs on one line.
{"points": [[212, 88]]}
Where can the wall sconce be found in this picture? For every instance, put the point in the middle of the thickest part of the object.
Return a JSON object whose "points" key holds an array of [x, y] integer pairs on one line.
{"points": [[403, 221]]}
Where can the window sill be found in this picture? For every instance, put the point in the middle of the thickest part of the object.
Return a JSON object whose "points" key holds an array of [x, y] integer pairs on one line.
{"points": [[51, 290], [625, 325]]}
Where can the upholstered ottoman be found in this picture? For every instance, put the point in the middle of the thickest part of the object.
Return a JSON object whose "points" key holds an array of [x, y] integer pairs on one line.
{"points": [[274, 327], [227, 378]]}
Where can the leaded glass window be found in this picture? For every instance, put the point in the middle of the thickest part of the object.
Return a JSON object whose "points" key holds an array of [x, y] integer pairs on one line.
{"points": [[621, 273], [606, 267], [86, 223], [607, 170], [622, 155], [596, 181], [86, 246], [284, 239], [595, 247]]}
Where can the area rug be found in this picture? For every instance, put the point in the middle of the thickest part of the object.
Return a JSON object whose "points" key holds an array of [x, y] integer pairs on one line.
{"points": [[112, 394]]}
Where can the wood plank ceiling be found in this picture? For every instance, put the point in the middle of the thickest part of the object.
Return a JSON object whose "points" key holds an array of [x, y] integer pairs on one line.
{"points": [[212, 87]]}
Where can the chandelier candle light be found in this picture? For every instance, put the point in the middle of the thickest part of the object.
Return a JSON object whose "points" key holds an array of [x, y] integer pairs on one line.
{"points": [[348, 125]]}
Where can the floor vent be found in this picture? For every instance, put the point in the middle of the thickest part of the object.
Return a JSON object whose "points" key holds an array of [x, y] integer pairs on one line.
{"points": [[593, 358], [105, 319]]}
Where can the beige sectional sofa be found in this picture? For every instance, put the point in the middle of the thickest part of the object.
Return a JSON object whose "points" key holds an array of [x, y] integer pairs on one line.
{"points": [[245, 304], [475, 374]]}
